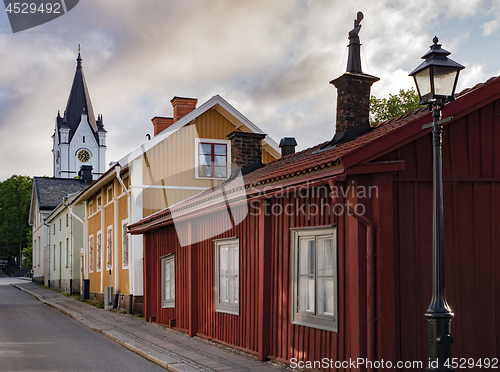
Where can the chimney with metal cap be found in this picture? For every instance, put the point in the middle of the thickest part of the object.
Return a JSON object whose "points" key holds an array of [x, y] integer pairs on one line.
{"points": [[287, 145]]}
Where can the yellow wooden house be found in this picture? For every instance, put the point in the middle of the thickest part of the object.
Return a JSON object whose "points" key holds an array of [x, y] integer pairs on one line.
{"points": [[189, 153]]}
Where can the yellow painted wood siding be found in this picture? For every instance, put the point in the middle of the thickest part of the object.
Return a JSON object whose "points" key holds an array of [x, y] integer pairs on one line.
{"points": [[172, 161], [94, 225]]}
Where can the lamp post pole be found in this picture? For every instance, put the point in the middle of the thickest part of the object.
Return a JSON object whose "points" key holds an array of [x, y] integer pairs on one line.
{"points": [[436, 80], [439, 314]]}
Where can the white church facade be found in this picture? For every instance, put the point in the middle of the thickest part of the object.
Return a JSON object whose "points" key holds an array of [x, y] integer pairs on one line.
{"points": [[79, 139]]}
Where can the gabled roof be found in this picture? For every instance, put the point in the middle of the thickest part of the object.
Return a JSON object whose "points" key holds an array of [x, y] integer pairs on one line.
{"points": [[319, 162], [50, 191], [216, 103], [78, 102]]}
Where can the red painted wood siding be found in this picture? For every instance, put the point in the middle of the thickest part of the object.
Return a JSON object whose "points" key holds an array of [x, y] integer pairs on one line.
{"points": [[471, 173]]}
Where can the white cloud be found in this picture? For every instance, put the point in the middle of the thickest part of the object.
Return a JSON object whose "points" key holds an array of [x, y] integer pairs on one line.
{"points": [[271, 60]]}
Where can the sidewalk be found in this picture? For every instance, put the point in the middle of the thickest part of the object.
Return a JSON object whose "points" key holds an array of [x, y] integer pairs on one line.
{"points": [[173, 350]]}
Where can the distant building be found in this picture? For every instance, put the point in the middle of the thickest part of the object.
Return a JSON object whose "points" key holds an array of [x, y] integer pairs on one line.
{"points": [[47, 194]]}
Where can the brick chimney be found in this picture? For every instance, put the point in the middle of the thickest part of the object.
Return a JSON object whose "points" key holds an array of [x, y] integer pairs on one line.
{"points": [[183, 106], [353, 93], [85, 174], [160, 124], [246, 150]]}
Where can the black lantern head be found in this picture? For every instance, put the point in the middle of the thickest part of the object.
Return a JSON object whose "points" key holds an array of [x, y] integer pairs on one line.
{"points": [[436, 78]]}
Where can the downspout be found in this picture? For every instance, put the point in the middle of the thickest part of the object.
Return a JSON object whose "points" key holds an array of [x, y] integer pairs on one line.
{"points": [[71, 240], [118, 169], [370, 275], [47, 248]]}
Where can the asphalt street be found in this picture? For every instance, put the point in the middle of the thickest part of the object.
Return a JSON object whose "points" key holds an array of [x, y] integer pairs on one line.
{"points": [[36, 337]]}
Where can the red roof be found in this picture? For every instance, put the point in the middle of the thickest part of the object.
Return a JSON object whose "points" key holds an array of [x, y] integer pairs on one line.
{"points": [[382, 137]]}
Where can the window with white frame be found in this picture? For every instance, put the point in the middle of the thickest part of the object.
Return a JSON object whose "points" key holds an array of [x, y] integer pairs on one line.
{"points": [[314, 277], [34, 253], [54, 257], [39, 251], [91, 253], [168, 280], [98, 252], [227, 276], [91, 207], [125, 244], [212, 158], [109, 256]]}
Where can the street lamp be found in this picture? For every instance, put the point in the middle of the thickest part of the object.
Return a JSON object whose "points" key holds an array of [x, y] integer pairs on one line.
{"points": [[436, 80]]}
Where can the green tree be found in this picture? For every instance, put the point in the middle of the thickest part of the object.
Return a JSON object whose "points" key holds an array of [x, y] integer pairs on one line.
{"points": [[394, 106], [28, 251], [15, 198]]}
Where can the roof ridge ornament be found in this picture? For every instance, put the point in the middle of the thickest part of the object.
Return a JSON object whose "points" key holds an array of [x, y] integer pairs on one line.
{"points": [[79, 58], [354, 60]]}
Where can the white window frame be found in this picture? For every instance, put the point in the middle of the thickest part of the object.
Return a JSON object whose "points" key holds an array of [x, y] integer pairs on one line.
{"points": [[125, 239], [39, 251], [109, 248], [98, 251], [230, 307], [91, 253], [197, 157], [312, 318], [170, 260], [91, 207]]}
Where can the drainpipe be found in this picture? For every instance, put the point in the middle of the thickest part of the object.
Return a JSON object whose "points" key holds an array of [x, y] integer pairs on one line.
{"points": [[370, 275], [118, 170], [47, 248], [71, 240]]}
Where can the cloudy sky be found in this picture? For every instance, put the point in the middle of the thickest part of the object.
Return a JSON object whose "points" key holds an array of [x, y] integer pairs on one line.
{"points": [[272, 60]]}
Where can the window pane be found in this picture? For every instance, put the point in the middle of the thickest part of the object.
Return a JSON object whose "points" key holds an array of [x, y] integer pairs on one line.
{"points": [[325, 256], [220, 161], [325, 296], [223, 288], [205, 159], [205, 171], [220, 172], [224, 263], [306, 257], [220, 149], [306, 294], [233, 290], [205, 148]]}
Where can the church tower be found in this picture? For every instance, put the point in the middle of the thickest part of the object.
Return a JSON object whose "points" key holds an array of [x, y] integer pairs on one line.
{"points": [[79, 139]]}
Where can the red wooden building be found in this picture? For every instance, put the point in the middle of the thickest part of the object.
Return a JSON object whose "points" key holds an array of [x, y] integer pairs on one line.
{"points": [[327, 252]]}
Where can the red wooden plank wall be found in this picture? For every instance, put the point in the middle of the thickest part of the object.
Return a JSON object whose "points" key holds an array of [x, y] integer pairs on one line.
{"points": [[471, 172]]}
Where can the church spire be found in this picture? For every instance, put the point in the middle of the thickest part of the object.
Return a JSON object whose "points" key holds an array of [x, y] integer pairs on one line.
{"points": [[79, 100]]}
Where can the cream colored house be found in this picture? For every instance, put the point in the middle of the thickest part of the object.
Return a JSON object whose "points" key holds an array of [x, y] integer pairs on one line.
{"points": [[188, 154], [65, 227]]}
